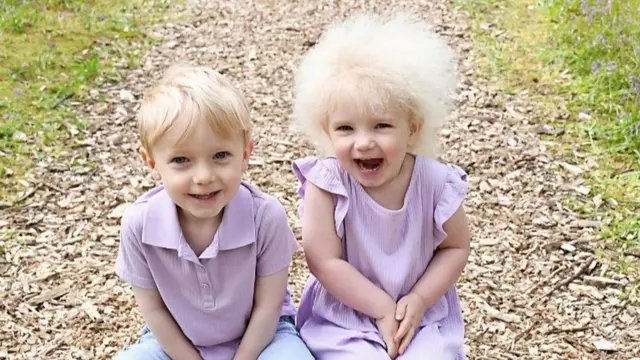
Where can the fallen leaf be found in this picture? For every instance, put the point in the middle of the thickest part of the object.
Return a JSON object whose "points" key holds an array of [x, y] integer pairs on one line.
{"points": [[91, 310], [570, 168], [118, 211], [597, 201], [584, 190], [126, 95], [604, 345]]}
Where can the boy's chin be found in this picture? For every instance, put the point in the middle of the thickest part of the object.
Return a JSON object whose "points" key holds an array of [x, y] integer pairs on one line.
{"points": [[199, 213]]}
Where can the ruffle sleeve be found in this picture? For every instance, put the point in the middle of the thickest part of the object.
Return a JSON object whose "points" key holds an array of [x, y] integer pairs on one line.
{"points": [[326, 174], [451, 197]]}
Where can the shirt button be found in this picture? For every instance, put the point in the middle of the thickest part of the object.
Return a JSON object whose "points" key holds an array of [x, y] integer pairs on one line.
{"points": [[205, 286], [201, 269]]}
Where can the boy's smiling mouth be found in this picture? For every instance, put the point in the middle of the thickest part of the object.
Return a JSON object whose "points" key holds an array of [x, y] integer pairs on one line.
{"points": [[206, 196]]}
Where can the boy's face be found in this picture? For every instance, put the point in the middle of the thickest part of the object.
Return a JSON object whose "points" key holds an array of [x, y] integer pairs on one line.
{"points": [[201, 172]]}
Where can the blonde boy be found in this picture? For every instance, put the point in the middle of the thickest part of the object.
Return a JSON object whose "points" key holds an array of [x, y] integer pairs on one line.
{"points": [[206, 253]]}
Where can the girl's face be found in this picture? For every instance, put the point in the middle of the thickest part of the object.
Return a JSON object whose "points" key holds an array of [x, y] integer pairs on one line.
{"points": [[371, 147]]}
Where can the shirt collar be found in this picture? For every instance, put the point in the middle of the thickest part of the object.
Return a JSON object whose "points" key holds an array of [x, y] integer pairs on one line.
{"points": [[162, 228]]}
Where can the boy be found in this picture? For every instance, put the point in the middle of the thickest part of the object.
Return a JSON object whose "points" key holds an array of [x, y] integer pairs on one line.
{"points": [[206, 253]]}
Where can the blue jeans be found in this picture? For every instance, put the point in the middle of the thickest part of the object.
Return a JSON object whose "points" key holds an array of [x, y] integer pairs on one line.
{"points": [[286, 344]]}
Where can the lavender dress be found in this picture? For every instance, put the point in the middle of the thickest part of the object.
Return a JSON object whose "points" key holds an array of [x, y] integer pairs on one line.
{"points": [[392, 248]]}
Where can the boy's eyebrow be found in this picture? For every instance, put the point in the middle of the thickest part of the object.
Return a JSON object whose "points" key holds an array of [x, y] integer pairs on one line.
{"points": [[184, 150]]}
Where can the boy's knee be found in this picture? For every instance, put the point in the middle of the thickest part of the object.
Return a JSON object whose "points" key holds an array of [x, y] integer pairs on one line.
{"points": [[146, 349], [141, 352], [286, 344]]}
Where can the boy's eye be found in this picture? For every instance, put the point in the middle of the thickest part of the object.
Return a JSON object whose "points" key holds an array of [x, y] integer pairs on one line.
{"points": [[221, 155], [179, 160], [344, 128], [383, 126]]}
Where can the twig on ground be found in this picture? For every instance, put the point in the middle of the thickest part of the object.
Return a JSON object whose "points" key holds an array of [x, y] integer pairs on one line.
{"points": [[53, 187], [546, 279], [525, 332], [565, 282], [61, 101], [53, 294], [568, 330], [634, 253], [24, 197]]}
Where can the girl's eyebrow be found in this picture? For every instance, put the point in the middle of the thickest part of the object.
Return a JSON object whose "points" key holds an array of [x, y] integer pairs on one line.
{"points": [[340, 122]]}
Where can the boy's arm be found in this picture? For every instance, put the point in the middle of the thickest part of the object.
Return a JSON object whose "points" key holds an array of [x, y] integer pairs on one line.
{"points": [[132, 266], [323, 251], [163, 326], [448, 261], [269, 294]]}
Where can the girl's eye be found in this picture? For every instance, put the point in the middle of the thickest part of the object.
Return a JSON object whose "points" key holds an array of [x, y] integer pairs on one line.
{"points": [[344, 128], [383, 126], [221, 155], [179, 160]]}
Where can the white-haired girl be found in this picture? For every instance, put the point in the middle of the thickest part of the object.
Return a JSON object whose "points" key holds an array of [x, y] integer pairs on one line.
{"points": [[383, 228]]}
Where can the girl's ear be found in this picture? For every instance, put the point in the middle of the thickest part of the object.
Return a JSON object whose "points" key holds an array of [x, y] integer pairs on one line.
{"points": [[324, 125], [415, 127]]}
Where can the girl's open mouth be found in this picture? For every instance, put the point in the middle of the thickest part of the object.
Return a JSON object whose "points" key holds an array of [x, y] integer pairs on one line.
{"points": [[369, 165]]}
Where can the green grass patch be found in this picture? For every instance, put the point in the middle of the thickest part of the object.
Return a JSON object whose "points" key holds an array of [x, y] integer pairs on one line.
{"points": [[54, 50], [582, 56]]}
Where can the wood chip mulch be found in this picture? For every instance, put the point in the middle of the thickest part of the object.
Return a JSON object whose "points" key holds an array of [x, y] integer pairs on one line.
{"points": [[535, 286]]}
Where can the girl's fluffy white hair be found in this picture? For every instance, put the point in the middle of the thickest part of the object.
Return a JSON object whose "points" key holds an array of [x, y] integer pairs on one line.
{"points": [[376, 61]]}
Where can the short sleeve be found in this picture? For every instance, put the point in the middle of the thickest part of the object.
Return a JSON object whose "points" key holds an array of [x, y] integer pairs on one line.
{"points": [[325, 174], [451, 197], [131, 263], [275, 239]]}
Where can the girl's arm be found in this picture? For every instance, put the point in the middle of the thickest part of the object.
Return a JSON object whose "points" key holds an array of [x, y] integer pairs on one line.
{"points": [[448, 261], [269, 294], [323, 251], [163, 326]]}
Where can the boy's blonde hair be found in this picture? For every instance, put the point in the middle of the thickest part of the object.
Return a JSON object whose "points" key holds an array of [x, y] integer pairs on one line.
{"points": [[193, 93], [376, 61]]}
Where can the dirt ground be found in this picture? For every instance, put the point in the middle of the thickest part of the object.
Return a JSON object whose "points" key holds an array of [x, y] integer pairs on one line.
{"points": [[534, 287]]}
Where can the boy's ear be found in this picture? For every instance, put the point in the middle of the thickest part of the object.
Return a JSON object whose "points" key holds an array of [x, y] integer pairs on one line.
{"points": [[247, 154], [151, 164]]}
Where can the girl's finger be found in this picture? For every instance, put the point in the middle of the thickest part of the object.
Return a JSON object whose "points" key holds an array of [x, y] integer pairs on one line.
{"points": [[406, 341], [404, 327], [392, 348], [401, 310]]}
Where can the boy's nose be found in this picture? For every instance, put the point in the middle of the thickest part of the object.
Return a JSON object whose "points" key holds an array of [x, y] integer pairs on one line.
{"points": [[203, 176]]}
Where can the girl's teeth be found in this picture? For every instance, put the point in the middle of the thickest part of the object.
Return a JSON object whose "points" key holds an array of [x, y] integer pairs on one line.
{"points": [[369, 164]]}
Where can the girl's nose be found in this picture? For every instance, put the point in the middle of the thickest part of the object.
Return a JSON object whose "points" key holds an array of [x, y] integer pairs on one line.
{"points": [[364, 142]]}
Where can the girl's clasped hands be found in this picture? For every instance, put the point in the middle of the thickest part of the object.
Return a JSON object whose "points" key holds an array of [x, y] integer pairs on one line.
{"points": [[399, 326]]}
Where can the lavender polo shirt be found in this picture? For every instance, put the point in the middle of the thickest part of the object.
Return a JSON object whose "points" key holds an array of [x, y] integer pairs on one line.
{"points": [[210, 296]]}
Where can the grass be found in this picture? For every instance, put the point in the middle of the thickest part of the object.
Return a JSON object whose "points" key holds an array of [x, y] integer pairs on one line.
{"points": [[54, 50], [580, 58]]}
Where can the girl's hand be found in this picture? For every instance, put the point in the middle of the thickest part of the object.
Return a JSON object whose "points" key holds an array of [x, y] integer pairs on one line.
{"points": [[409, 311], [388, 326]]}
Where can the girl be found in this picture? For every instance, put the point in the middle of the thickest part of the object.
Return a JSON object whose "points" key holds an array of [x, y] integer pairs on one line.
{"points": [[383, 228]]}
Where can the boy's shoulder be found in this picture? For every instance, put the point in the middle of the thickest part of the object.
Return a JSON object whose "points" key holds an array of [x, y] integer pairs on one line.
{"points": [[262, 202], [134, 215]]}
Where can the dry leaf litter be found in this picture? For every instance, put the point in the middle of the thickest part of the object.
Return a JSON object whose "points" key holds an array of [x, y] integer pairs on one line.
{"points": [[534, 287]]}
